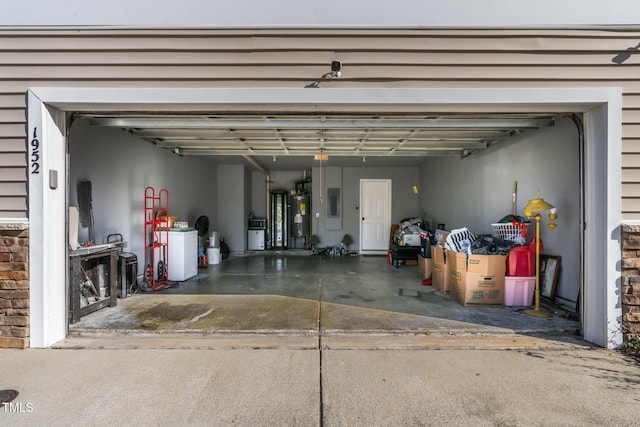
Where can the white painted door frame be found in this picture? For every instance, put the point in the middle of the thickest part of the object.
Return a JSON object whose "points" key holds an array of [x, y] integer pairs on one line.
{"points": [[602, 108]]}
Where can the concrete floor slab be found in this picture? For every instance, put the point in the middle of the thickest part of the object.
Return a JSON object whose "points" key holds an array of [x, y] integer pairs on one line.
{"points": [[306, 294], [212, 313]]}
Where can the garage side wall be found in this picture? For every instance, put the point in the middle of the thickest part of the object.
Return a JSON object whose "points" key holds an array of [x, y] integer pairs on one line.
{"points": [[120, 166], [545, 160]]}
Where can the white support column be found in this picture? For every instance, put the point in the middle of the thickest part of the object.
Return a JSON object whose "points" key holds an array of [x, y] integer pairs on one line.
{"points": [[47, 218], [602, 308]]}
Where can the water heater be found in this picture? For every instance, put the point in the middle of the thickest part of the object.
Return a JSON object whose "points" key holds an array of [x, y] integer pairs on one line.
{"points": [[300, 216]]}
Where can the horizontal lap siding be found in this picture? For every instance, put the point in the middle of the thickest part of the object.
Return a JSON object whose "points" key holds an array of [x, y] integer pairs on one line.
{"points": [[294, 58]]}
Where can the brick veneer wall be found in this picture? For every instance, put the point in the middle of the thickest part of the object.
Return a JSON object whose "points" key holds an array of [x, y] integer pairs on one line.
{"points": [[14, 286], [631, 282]]}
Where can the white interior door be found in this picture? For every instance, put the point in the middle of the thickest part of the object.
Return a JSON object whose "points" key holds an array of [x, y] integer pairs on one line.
{"points": [[375, 215]]}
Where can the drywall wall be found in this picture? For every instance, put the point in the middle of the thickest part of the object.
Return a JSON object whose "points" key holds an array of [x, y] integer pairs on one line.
{"points": [[476, 191], [258, 194], [120, 167], [232, 214], [404, 204], [285, 180], [248, 195]]}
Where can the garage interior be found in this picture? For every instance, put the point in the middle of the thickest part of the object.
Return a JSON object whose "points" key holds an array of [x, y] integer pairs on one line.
{"points": [[225, 166]]}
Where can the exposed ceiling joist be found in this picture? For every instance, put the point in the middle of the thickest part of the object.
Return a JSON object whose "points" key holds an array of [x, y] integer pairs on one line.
{"points": [[372, 153], [288, 135]]}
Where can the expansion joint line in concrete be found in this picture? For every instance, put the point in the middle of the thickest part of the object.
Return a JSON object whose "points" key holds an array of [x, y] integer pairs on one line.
{"points": [[321, 398]]}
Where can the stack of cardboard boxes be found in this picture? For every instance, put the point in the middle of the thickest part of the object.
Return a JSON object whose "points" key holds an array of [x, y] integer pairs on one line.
{"points": [[476, 279], [470, 279], [479, 280]]}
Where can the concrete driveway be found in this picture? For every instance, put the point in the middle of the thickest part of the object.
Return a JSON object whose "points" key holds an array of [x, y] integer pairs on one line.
{"points": [[348, 343], [564, 384]]}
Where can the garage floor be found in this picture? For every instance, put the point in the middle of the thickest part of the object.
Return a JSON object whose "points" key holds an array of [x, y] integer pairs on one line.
{"points": [[294, 292]]}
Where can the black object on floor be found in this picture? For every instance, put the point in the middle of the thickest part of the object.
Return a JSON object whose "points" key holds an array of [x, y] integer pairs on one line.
{"points": [[7, 396]]}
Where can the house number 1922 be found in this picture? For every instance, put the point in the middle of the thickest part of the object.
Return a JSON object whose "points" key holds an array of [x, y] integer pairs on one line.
{"points": [[35, 152]]}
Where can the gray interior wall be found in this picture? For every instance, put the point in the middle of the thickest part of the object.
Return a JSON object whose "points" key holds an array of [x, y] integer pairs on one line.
{"points": [[333, 183], [231, 206], [476, 191], [285, 180], [120, 167], [248, 196], [404, 204], [258, 194]]}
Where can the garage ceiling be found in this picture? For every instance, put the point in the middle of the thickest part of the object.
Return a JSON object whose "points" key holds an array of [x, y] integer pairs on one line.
{"points": [[291, 136]]}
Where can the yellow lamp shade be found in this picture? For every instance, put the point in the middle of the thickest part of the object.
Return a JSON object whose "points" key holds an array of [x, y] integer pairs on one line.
{"points": [[536, 205]]}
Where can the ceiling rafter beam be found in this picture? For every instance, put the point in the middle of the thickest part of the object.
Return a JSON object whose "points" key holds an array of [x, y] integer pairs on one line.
{"points": [[355, 148], [372, 153]]}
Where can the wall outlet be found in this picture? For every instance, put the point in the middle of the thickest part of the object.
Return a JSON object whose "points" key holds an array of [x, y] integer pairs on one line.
{"points": [[317, 214]]}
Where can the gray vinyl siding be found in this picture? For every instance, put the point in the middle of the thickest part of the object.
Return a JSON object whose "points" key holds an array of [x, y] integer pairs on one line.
{"points": [[294, 58]]}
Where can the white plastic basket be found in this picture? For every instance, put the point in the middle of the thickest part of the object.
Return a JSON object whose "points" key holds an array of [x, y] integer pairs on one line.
{"points": [[509, 231]]}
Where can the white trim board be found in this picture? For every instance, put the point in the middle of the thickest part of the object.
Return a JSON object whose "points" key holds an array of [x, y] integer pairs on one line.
{"points": [[602, 108]]}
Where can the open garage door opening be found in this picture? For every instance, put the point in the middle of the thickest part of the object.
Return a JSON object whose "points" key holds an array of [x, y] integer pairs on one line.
{"points": [[473, 188]]}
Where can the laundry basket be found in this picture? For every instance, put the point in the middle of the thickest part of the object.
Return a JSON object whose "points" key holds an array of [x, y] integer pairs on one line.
{"points": [[514, 232]]}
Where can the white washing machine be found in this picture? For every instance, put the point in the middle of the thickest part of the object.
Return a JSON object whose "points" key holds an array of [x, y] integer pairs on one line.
{"points": [[255, 240]]}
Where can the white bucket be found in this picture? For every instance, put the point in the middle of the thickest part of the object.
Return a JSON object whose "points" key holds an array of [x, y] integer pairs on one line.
{"points": [[214, 239], [213, 256]]}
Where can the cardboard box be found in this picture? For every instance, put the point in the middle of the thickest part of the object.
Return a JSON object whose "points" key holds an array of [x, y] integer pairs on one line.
{"points": [[518, 291], [439, 269], [424, 267], [476, 279], [392, 232]]}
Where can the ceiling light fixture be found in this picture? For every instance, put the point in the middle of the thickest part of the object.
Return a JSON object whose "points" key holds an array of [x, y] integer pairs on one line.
{"points": [[321, 157]]}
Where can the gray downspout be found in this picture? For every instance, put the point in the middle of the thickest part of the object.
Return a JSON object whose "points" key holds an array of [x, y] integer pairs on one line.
{"points": [[580, 306]]}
